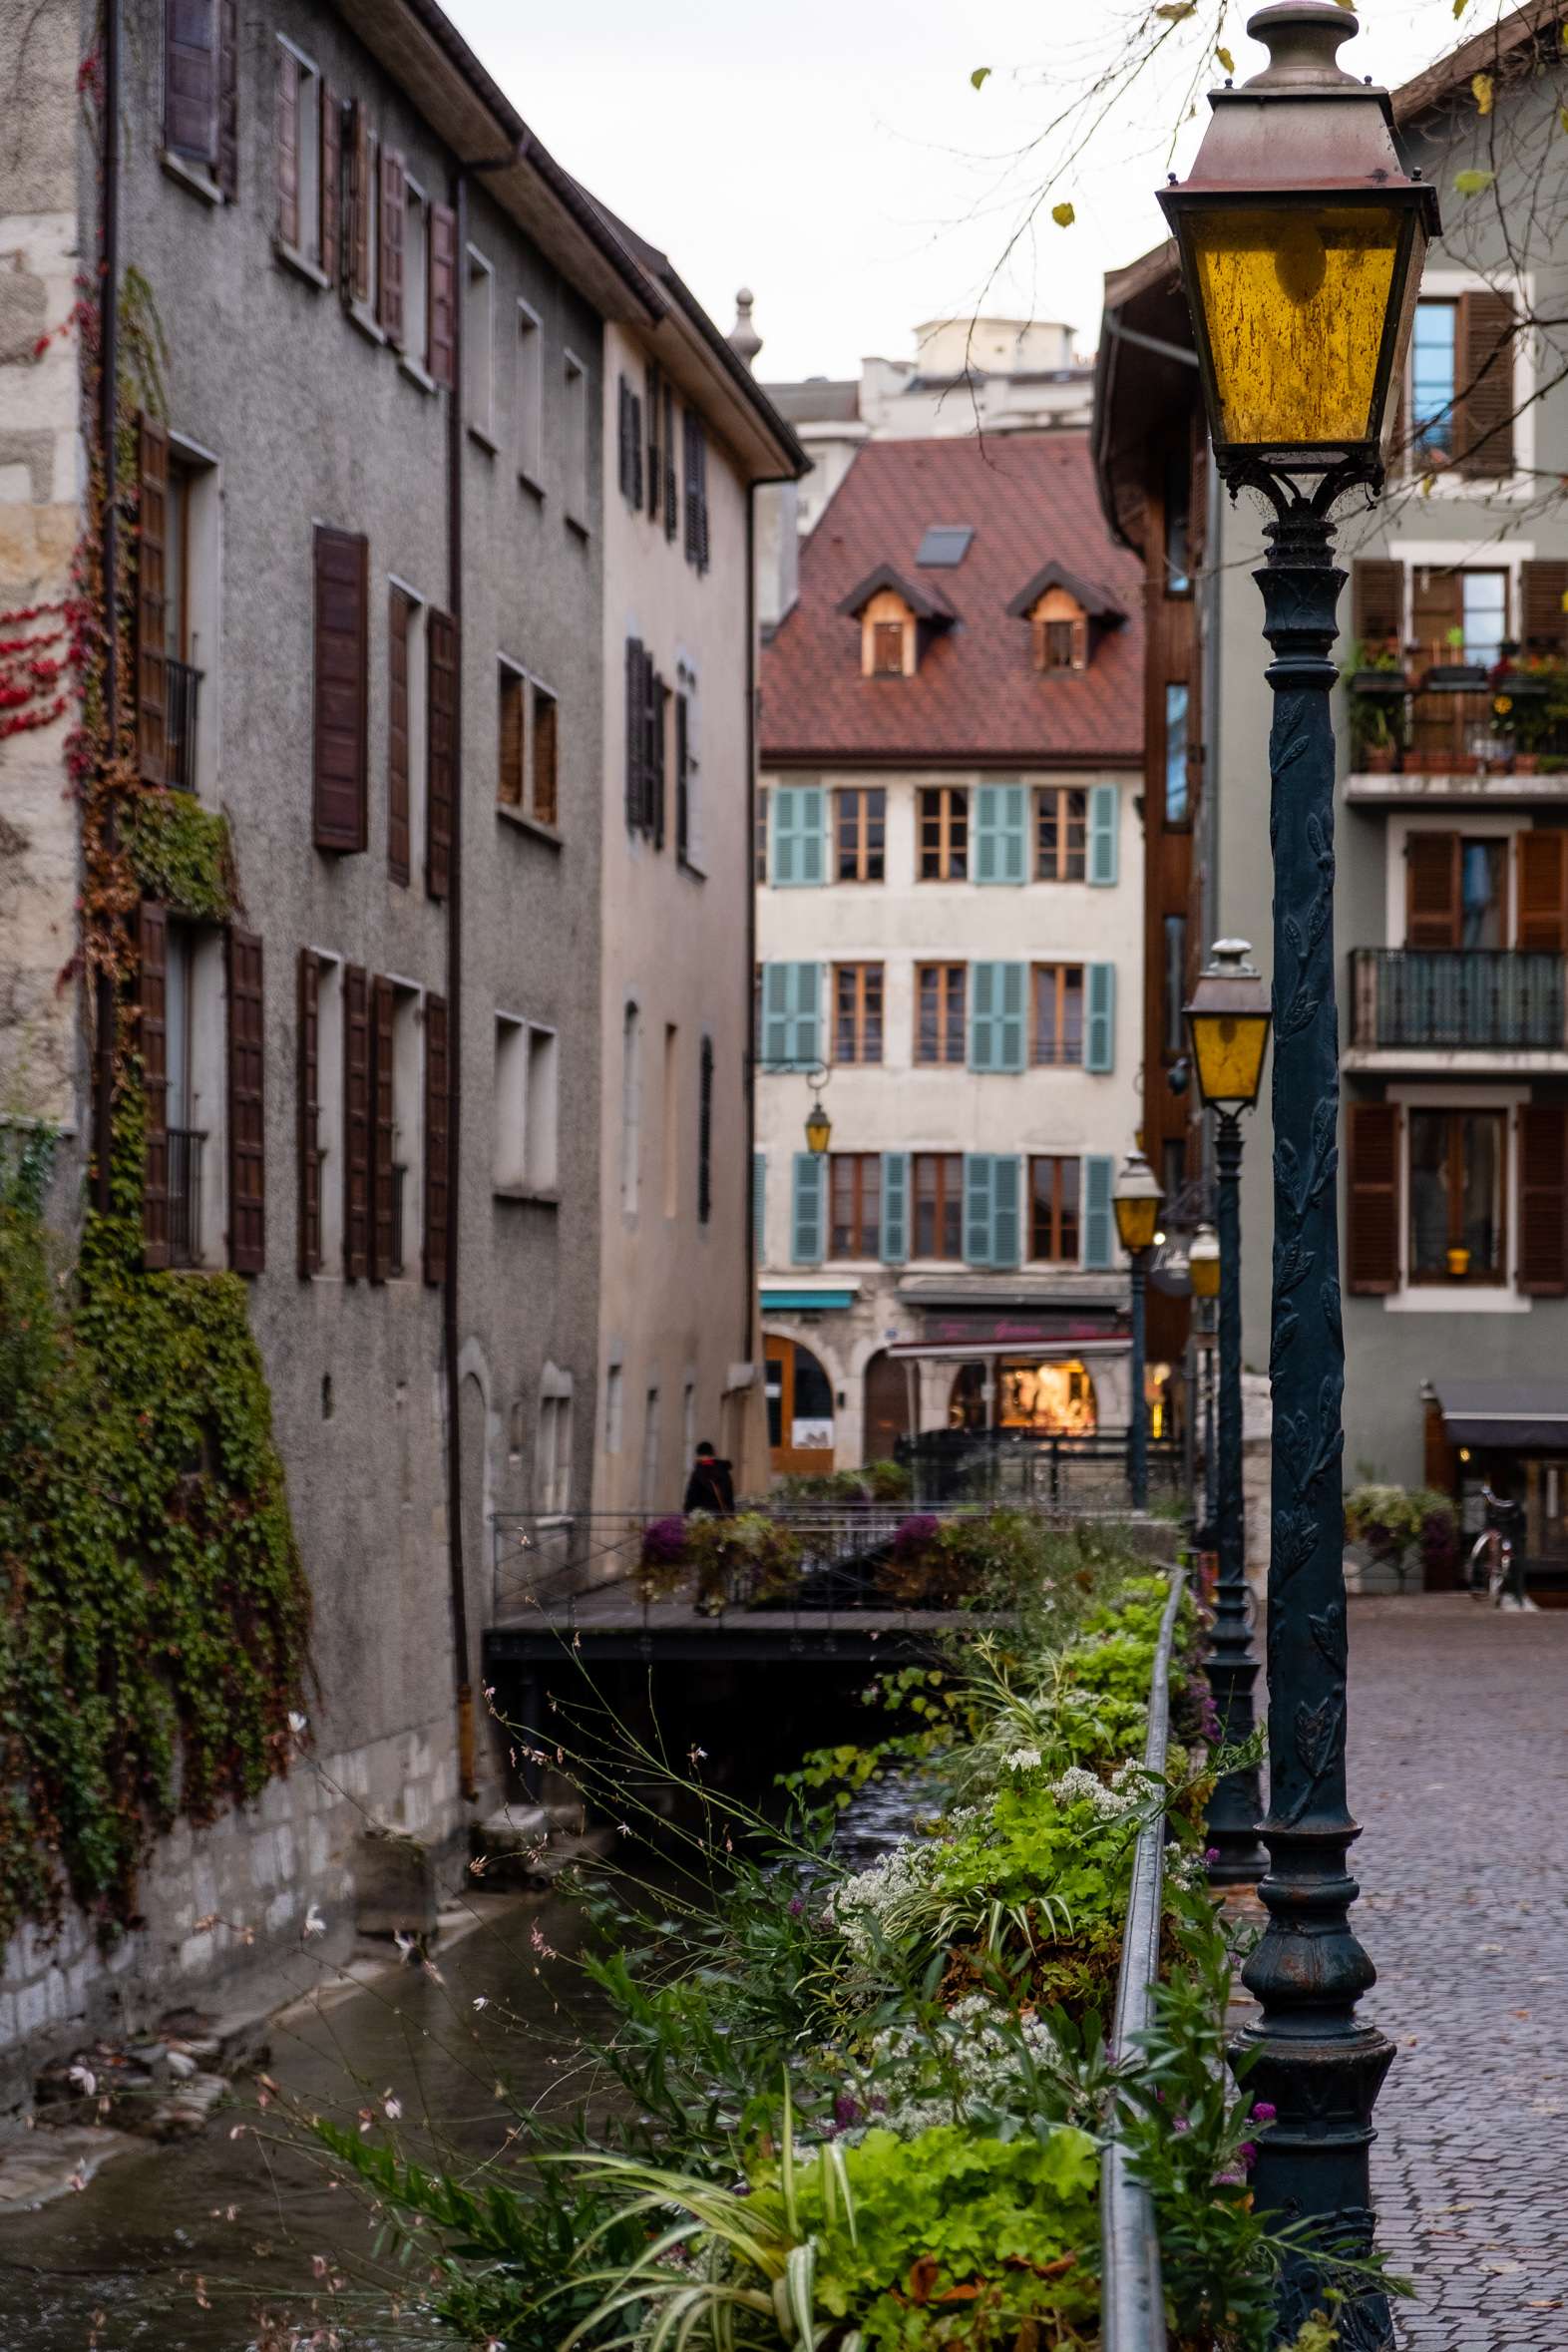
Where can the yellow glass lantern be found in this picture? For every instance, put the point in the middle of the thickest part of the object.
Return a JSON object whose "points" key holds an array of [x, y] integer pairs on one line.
{"points": [[1203, 1262], [819, 1129], [1137, 1200], [1302, 241], [1227, 1020]]}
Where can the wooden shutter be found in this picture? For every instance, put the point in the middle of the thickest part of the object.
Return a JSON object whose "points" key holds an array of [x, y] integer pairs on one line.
{"points": [[682, 780], [895, 1207], [808, 1235], [400, 613], [153, 1043], [1372, 1198], [1483, 411], [227, 169], [1104, 833], [510, 689], [759, 1202], [1543, 891], [634, 792], [997, 1027], [672, 486], [1000, 833], [1543, 595], [288, 221], [547, 800], [977, 1206], [1098, 1245], [382, 1102], [394, 206], [636, 451], [441, 766], [356, 211], [356, 1122], [1432, 899], [1377, 600], [309, 1112], [705, 1132], [440, 362], [152, 726], [624, 437], [652, 394], [659, 696], [437, 1098], [1436, 606], [247, 1105], [1099, 1019], [342, 688], [190, 78], [1543, 1190], [1006, 1202], [332, 183]]}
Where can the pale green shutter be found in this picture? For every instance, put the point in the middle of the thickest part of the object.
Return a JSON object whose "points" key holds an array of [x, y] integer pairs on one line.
{"points": [[895, 1207], [1005, 1210], [1099, 1027], [778, 1007], [1000, 833], [1099, 1225], [1010, 1031], [759, 1201], [977, 1216], [1104, 823], [983, 1016], [808, 996], [811, 1184], [797, 835], [809, 832]]}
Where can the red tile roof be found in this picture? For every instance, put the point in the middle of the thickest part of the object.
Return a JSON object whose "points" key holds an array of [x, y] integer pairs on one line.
{"points": [[977, 698]]}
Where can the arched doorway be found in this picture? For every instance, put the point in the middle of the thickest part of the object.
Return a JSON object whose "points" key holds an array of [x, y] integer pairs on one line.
{"points": [[800, 1410], [887, 1407]]}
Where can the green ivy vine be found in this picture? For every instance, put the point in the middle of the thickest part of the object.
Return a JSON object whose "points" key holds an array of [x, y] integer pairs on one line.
{"points": [[181, 855]]}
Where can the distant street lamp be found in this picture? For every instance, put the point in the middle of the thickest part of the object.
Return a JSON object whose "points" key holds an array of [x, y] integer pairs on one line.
{"points": [[1136, 1200], [1203, 1262], [1300, 240], [1228, 1025]]}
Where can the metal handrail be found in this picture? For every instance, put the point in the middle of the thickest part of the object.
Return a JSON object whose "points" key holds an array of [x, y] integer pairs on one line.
{"points": [[1132, 2313]]}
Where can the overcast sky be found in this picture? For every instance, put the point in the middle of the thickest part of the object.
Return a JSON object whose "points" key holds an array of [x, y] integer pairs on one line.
{"points": [[833, 157]]}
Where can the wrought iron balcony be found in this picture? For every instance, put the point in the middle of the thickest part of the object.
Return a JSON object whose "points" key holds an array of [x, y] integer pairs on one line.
{"points": [[184, 1195], [1508, 999], [181, 703]]}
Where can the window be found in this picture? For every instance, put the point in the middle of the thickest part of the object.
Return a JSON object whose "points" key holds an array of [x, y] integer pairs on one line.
{"points": [[191, 81], [479, 349], [1053, 1210], [613, 1393], [696, 452], [944, 833], [415, 338], [526, 1106], [631, 1105], [1062, 834], [629, 442], [1177, 524], [303, 214], [191, 640], [669, 1124], [887, 648], [857, 1012], [1484, 609], [1434, 379], [1456, 1194], [651, 1451], [1175, 984], [529, 397], [855, 1205], [1057, 1035], [938, 1204], [514, 716], [543, 764], [553, 1451], [1060, 631], [705, 1132], [940, 1011], [1176, 805], [407, 1202], [688, 805], [574, 440], [860, 825]]}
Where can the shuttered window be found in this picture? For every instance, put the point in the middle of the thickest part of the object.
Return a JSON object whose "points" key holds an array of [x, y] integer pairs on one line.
{"points": [[705, 1132], [1543, 1193], [996, 1016], [437, 1129], [392, 220], [332, 183], [1543, 891], [1057, 1031], [796, 813], [993, 1222], [940, 1018], [342, 687], [247, 1105], [383, 1130], [808, 1224], [629, 442], [153, 1044], [191, 78], [855, 1204], [1433, 902], [1099, 1219], [400, 614], [857, 1012], [791, 1014], [938, 1204], [1099, 1025], [439, 360], [356, 1122], [1372, 1198], [1105, 835], [309, 1128], [359, 203], [512, 689], [895, 1207], [1485, 429], [1061, 831], [1543, 597], [694, 450], [441, 752], [1378, 602], [943, 816], [287, 148], [647, 700], [545, 757], [1000, 841], [1053, 1209], [152, 705], [671, 498]]}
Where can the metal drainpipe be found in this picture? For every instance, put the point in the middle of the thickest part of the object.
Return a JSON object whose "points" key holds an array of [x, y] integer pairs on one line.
{"points": [[753, 1329], [449, 1291], [104, 1009]]}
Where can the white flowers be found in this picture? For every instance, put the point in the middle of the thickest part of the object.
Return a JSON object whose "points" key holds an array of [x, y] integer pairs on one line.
{"points": [[1021, 1759], [314, 1923], [1076, 1786]]}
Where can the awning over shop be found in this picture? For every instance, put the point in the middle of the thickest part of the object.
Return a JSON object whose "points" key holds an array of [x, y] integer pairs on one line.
{"points": [[1525, 1415], [802, 1299]]}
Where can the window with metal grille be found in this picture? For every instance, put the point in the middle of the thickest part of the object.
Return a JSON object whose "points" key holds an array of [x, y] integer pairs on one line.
{"points": [[1056, 1040], [1062, 833], [1053, 1209], [860, 816], [855, 1205], [944, 833], [857, 1012], [938, 1204], [940, 991]]}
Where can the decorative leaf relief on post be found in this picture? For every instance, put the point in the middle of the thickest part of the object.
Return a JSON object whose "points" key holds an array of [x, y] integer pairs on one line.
{"points": [[1320, 1740], [1295, 1541], [1330, 1310], [1329, 1632]]}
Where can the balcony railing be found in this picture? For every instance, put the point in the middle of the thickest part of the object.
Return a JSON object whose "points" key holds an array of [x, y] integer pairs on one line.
{"points": [[182, 699], [1433, 730], [1504, 998], [184, 1195]]}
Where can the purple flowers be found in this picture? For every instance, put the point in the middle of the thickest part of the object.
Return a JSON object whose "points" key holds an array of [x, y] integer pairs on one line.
{"points": [[1211, 1854], [846, 2110], [797, 1905], [1264, 2110], [664, 1543], [1248, 2152], [914, 1535], [1180, 2124]]}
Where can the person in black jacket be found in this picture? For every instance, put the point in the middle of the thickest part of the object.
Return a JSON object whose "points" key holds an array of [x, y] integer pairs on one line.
{"points": [[712, 1486]]}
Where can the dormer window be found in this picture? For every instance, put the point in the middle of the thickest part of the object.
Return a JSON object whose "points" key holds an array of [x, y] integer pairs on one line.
{"points": [[898, 620], [1066, 617], [885, 643]]}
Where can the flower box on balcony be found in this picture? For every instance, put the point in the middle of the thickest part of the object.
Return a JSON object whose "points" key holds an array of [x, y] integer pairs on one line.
{"points": [[1455, 678], [1391, 682]]}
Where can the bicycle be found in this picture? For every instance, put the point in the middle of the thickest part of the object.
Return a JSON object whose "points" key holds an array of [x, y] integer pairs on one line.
{"points": [[1496, 1563]]}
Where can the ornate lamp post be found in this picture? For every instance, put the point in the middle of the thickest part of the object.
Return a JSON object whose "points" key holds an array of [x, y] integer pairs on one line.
{"points": [[1300, 241], [1203, 1260], [1228, 1025], [1136, 1200]]}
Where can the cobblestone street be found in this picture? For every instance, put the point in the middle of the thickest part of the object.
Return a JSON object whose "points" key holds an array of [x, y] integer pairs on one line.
{"points": [[1459, 1774]]}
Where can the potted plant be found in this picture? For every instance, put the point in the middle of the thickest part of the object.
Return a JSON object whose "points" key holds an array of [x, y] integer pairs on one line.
{"points": [[1376, 668], [1459, 1262], [1379, 731], [1456, 675]]}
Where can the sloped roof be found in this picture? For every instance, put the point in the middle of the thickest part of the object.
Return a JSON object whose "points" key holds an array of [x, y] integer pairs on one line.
{"points": [[975, 699], [927, 602]]}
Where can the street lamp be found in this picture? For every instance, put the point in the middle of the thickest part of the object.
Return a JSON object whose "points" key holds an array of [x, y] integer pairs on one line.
{"points": [[1136, 1199], [1300, 240], [819, 1128], [1203, 1262], [1228, 1026]]}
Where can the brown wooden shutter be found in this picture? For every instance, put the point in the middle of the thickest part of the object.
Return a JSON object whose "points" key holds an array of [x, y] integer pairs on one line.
{"points": [[1483, 411], [356, 209], [633, 733], [443, 294], [227, 171], [1543, 891], [247, 1105], [289, 221], [1543, 1191], [437, 1084], [382, 1099], [659, 696], [309, 1112], [672, 486], [546, 798], [1377, 596], [332, 183], [153, 1036], [511, 689], [398, 844], [356, 1122], [1433, 900], [651, 395], [624, 437], [342, 688], [1543, 622], [152, 731], [1436, 606], [394, 204], [190, 78], [441, 775], [1372, 1197]]}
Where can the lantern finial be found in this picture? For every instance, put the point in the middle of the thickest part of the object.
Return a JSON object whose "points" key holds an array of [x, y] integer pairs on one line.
{"points": [[1302, 38]]}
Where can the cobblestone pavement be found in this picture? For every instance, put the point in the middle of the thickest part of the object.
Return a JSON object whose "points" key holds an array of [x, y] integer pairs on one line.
{"points": [[1459, 1774]]}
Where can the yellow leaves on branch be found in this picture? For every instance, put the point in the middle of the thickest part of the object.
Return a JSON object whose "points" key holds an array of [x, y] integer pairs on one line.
{"points": [[1482, 91], [1063, 215], [1226, 59], [1467, 184], [979, 77], [1172, 11]]}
